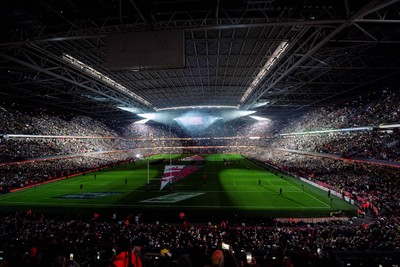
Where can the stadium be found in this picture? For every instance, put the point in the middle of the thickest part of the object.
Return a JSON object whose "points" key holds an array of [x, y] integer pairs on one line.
{"points": [[200, 133]]}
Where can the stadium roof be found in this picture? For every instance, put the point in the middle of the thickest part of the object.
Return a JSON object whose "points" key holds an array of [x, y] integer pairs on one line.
{"points": [[279, 57]]}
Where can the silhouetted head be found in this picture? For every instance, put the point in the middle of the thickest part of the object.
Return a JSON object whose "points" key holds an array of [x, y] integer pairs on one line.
{"points": [[217, 258]]}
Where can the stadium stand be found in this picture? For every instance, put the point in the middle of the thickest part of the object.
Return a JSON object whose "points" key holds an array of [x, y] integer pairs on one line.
{"points": [[288, 111], [32, 239]]}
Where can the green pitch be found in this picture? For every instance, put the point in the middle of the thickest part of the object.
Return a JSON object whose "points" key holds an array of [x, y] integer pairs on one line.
{"points": [[233, 185]]}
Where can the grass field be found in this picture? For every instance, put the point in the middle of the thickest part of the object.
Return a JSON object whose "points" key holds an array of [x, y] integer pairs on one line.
{"points": [[241, 189]]}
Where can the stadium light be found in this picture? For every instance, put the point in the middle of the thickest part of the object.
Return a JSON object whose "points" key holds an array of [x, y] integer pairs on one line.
{"points": [[142, 121], [389, 126], [133, 110], [260, 104], [258, 118], [160, 117], [234, 114], [150, 116], [264, 70], [103, 78]]}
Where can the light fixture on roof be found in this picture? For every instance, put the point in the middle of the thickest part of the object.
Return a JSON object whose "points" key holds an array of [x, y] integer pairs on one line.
{"points": [[198, 107], [260, 104], [271, 61], [258, 118], [142, 121], [101, 77], [150, 116], [389, 126], [132, 110]]}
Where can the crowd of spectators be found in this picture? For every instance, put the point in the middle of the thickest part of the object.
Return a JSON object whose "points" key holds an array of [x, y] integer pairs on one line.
{"points": [[39, 241], [381, 145], [378, 108], [78, 135], [18, 149], [13, 176], [374, 110], [378, 184], [36, 240], [70, 135], [14, 122], [40, 122]]}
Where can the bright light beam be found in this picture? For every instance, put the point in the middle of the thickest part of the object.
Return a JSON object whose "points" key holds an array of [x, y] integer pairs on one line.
{"points": [[258, 118], [132, 110], [142, 121], [235, 114]]}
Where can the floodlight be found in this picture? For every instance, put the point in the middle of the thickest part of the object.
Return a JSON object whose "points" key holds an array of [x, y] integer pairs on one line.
{"points": [[234, 114], [160, 117], [389, 126], [149, 116], [260, 104], [258, 118], [133, 110], [264, 70], [101, 77], [142, 121]]}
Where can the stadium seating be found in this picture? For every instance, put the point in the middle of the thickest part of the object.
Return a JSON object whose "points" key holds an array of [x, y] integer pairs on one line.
{"points": [[36, 239]]}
